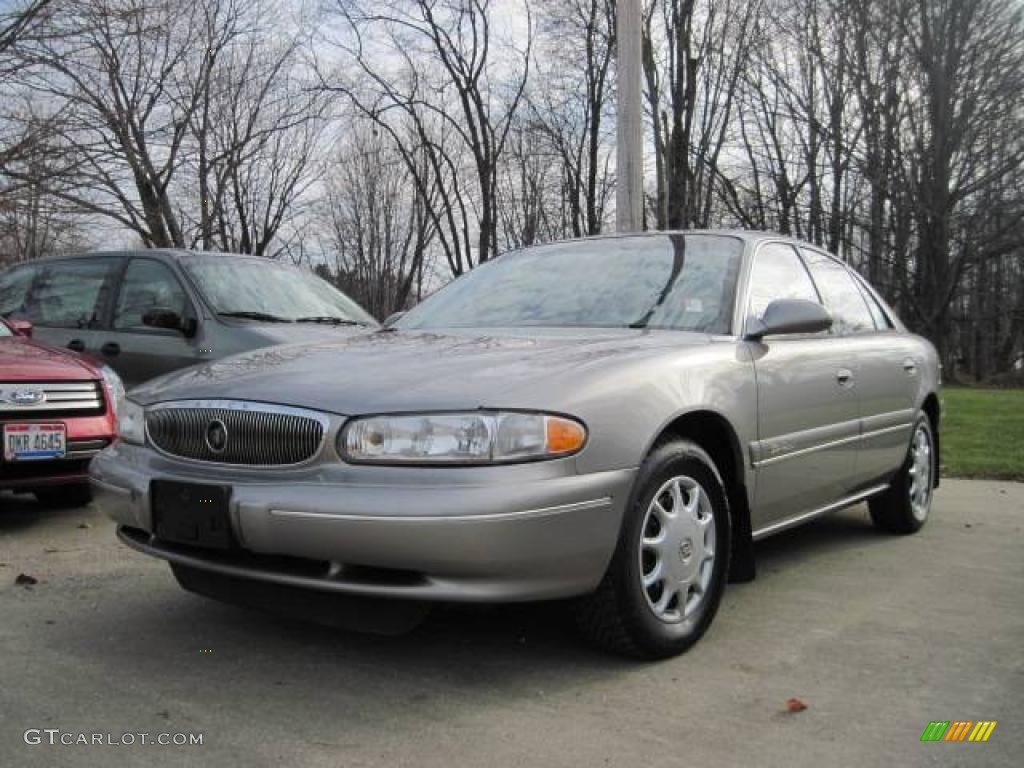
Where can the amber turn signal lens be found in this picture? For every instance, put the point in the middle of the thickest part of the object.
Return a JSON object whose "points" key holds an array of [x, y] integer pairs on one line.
{"points": [[564, 435]]}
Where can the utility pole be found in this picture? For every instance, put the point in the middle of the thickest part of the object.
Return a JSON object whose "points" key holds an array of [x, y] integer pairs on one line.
{"points": [[629, 172]]}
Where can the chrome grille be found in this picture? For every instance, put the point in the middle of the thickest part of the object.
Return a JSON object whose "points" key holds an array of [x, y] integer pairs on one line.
{"points": [[71, 398], [256, 435]]}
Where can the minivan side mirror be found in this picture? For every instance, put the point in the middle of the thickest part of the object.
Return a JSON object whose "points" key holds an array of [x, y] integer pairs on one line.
{"points": [[169, 320], [789, 316], [21, 327], [392, 318]]}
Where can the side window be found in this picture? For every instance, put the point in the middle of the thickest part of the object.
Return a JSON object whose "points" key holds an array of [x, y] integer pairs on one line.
{"points": [[880, 316], [777, 273], [14, 285], [70, 294], [147, 285], [850, 313]]}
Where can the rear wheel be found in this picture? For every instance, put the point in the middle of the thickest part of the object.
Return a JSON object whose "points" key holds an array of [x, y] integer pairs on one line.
{"points": [[64, 496], [905, 507], [666, 579]]}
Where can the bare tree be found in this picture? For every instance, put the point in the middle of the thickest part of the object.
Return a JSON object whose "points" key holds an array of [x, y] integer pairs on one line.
{"points": [[571, 102], [435, 67], [378, 232], [694, 57]]}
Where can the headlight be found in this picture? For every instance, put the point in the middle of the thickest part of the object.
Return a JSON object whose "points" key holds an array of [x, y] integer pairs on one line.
{"points": [[114, 386], [131, 422], [480, 437]]}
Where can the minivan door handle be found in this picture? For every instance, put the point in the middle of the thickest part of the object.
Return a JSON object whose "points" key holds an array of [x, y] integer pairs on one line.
{"points": [[910, 367], [76, 345], [111, 349], [845, 377]]}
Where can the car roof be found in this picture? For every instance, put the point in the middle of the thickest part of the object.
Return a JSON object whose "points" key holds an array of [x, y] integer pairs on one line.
{"points": [[747, 235], [168, 253]]}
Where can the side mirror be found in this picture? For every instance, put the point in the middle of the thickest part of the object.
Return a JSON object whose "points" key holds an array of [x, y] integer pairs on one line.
{"points": [[786, 316], [21, 327], [169, 320], [392, 318]]}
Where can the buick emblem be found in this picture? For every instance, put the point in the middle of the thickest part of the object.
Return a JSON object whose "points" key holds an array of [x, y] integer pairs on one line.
{"points": [[216, 436], [25, 396], [685, 550]]}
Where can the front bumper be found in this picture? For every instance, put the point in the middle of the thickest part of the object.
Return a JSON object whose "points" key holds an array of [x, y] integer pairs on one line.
{"points": [[86, 437], [510, 533]]}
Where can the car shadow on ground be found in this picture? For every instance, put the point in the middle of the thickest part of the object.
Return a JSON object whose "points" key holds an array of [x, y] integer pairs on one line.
{"points": [[20, 511], [487, 636]]}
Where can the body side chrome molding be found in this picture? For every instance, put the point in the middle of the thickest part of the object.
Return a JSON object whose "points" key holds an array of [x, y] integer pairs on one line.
{"points": [[804, 517], [759, 448]]}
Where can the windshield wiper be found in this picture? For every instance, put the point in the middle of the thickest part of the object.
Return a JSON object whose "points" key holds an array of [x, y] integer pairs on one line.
{"points": [[329, 320], [678, 259], [247, 315]]}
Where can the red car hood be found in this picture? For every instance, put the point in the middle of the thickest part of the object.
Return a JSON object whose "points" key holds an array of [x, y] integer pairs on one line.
{"points": [[22, 359]]}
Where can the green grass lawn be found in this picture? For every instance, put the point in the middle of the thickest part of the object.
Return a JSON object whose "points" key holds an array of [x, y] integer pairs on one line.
{"points": [[983, 433]]}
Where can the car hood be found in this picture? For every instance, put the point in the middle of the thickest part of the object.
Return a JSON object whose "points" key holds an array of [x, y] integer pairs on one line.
{"points": [[406, 370], [22, 359]]}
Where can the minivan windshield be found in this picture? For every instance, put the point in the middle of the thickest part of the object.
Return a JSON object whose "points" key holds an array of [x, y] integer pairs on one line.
{"points": [[682, 282], [260, 289]]}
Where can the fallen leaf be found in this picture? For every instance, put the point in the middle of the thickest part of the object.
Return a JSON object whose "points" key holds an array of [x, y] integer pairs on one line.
{"points": [[84, 525], [24, 580], [795, 705], [967, 525], [51, 550]]}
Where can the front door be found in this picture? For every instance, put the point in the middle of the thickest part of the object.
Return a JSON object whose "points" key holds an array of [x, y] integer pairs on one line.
{"points": [[137, 351], [808, 425]]}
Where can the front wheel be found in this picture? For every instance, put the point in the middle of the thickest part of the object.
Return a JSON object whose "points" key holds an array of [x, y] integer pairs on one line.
{"points": [[667, 575], [905, 507]]}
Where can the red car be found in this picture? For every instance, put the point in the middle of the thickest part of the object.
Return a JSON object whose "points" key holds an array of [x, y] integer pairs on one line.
{"points": [[57, 410]]}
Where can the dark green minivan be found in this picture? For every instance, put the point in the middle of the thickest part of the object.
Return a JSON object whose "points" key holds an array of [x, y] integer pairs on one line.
{"points": [[150, 312]]}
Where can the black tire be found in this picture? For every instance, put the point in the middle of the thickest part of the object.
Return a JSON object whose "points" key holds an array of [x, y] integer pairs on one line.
{"points": [[894, 511], [64, 496], [618, 616]]}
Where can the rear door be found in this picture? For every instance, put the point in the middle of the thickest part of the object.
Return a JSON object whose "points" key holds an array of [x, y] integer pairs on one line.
{"points": [[137, 351], [68, 301], [888, 368], [804, 456]]}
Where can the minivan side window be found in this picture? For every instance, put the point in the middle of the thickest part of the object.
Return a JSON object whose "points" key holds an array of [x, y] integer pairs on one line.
{"points": [[147, 284], [850, 313], [70, 294], [14, 285], [777, 273]]}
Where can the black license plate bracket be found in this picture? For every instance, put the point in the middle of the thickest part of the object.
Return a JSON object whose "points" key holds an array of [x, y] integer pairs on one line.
{"points": [[194, 514]]}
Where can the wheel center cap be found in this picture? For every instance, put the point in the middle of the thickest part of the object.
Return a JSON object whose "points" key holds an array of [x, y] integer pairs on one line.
{"points": [[685, 550]]}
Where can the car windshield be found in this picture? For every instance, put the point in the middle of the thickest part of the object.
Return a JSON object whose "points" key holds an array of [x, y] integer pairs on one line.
{"points": [[260, 289], [682, 282], [5, 331]]}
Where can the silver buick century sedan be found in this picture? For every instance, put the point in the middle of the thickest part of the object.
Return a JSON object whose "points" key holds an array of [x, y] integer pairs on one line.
{"points": [[614, 420]]}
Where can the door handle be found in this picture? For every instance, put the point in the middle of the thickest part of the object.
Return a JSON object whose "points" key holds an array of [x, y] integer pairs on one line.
{"points": [[111, 349], [910, 367], [76, 345], [845, 377]]}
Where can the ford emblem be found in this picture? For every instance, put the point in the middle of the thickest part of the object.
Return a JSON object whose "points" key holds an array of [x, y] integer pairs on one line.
{"points": [[26, 396]]}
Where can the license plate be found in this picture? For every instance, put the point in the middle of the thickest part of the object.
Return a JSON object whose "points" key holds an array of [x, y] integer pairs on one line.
{"points": [[32, 442], [192, 514]]}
